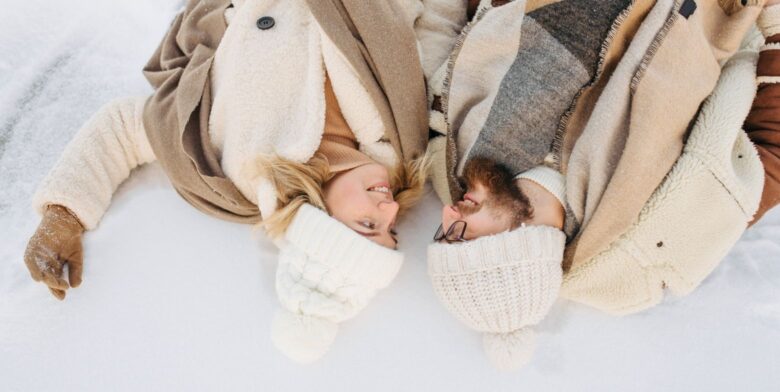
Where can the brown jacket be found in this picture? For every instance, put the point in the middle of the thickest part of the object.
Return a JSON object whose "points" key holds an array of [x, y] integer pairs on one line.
{"points": [[370, 36], [763, 126]]}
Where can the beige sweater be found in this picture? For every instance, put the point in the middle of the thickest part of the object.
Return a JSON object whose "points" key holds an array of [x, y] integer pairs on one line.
{"points": [[339, 145]]}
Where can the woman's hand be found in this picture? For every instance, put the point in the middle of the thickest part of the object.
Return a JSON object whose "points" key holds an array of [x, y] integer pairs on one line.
{"points": [[770, 3], [56, 242]]}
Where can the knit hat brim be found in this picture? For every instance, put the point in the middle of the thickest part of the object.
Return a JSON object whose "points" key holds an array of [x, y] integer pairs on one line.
{"points": [[524, 244], [341, 249]]}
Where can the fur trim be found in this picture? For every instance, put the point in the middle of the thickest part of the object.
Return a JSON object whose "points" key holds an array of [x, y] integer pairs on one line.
{"points": [[382, 152], [770, 46], [768, 79], [356, 104], [437, 122], [769, 20], [266, 197]]}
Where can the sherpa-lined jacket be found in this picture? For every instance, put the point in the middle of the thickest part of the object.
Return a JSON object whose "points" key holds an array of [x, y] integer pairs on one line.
{"points": [[267, 96], [697, 214], [619, 138]]}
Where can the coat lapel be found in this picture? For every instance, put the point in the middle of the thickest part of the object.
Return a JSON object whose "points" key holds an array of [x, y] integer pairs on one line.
{"points": [[383, 53]]}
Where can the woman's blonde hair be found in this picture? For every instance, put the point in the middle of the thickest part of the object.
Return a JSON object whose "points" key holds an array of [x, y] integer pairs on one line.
{"points": [[299, 183]]}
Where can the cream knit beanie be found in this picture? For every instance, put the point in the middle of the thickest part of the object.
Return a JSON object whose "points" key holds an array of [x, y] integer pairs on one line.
{"points": [[326, 274], [501, 285]]}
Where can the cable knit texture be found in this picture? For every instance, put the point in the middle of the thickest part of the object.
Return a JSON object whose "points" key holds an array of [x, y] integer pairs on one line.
{"points": [[499, 285], [327, 273]]}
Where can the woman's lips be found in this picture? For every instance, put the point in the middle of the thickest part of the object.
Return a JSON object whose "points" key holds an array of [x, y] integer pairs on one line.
{"points": [[383, 184], [383, 188]]}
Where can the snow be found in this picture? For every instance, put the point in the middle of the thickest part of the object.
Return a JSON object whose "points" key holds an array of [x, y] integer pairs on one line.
{"points": [[175, 300]]}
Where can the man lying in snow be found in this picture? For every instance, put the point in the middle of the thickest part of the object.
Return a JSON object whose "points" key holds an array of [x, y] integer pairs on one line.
{"points": [[607, 97], [275, 109]]}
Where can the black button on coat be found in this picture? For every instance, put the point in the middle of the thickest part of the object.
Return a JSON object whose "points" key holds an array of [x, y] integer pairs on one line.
{"points": [[265, 23]]}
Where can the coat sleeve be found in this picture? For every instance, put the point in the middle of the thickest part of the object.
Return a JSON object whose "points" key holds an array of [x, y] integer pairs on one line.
{"points": [[437, 28], [763, 122], [96, 161]]}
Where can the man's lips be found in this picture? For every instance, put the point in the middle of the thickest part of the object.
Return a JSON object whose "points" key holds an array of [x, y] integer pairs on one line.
{"points": [[469, 198]]}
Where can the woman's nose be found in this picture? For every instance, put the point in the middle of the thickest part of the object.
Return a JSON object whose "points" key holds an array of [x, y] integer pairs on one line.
{"points": [[389, 209]]}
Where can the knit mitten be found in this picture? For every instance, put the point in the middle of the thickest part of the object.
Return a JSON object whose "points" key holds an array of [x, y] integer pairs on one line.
{"points": [[56, 241]]}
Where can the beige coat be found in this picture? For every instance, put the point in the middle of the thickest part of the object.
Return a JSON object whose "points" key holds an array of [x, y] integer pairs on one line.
{"points": [[228, 91], [271, 83]]}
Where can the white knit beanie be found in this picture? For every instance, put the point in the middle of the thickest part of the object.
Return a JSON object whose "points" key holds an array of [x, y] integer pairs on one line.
{"points": [[501, 285], [326, 274]]}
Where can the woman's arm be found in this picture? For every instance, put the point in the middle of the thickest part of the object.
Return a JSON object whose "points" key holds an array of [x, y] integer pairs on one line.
{"points": [[763, 122], [77, 191], [98, 159]]}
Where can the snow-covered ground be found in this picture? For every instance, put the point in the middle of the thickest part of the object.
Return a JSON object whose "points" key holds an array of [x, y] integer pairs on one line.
{"points": [[175, 300]]}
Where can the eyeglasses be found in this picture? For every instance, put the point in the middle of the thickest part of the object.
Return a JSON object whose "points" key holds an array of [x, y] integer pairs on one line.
{"points": [[454, 233]]}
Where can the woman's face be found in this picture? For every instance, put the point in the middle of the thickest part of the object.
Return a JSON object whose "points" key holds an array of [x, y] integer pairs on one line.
{"points": [[362, 199]]}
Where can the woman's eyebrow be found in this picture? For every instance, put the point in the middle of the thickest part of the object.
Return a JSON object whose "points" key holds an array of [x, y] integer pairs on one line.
{"points": [[392, 236], [366, 234], [376, 234]]}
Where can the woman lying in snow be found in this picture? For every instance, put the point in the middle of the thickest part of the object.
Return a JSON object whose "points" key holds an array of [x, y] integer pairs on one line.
{"points": [[599, 96], [271, 109]]}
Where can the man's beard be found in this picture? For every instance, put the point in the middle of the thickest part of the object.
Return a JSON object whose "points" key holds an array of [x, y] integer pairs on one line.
{"points": [[503, 193]]}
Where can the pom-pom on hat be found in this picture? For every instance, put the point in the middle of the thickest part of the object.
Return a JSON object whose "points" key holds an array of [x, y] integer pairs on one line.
{"points": [[501, 285], [326, 274]]}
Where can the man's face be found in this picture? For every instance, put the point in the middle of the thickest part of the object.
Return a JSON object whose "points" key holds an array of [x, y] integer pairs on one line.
{"points": [[492, 203], [483, 216]]}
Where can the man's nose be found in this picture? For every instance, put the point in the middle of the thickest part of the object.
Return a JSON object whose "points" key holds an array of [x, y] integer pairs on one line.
{"points": [[450, 214]]}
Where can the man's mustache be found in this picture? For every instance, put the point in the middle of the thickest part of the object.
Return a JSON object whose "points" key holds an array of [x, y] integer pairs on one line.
{"points": [[467, 209]]}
